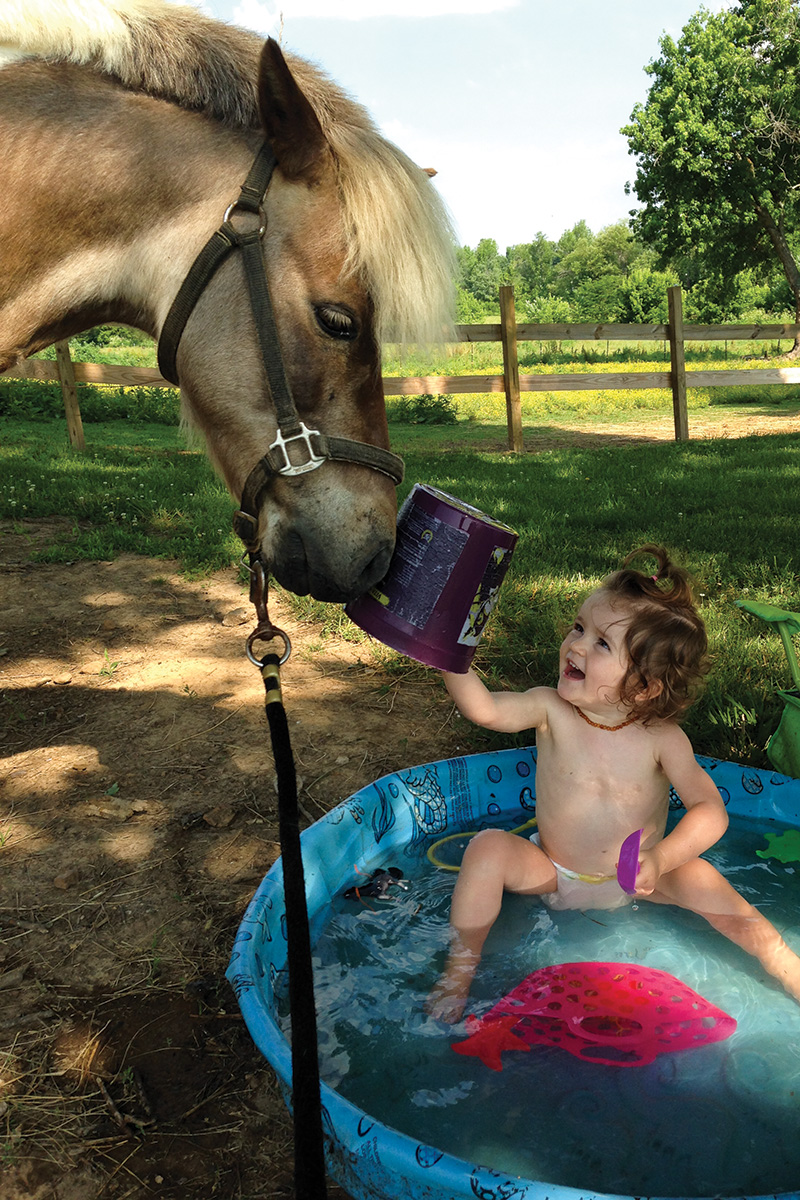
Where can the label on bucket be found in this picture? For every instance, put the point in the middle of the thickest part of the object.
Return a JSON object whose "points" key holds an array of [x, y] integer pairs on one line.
{"points": [[485, 598], [421, 539]]}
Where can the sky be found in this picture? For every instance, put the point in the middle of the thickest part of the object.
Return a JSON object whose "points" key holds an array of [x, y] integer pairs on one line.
{"points": [[516, 103]]}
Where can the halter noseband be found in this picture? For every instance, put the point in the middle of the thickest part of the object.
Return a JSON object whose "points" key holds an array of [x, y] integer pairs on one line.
{"points": [[296, 449]]}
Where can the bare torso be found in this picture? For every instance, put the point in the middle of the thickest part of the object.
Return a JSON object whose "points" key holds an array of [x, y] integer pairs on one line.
{"points": [[593, 788]]}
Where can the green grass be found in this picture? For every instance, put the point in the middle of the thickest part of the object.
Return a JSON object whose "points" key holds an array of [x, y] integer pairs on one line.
{"points": [[136, 490], [728, 509]]}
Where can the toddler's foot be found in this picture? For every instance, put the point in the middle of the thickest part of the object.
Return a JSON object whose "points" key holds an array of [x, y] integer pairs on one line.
{"points": [[761, 939], [449, 996], [446, 1002]]}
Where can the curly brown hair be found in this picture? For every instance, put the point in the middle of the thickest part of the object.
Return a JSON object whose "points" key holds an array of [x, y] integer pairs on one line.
{"points": [[666, 639]]}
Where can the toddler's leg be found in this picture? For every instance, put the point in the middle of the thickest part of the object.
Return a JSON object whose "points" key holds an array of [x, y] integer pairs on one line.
{"points": [[494, 862], [699, 886]]}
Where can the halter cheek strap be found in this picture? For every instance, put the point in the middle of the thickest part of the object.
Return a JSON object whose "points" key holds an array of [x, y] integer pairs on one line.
{"points": [[296, 449]]}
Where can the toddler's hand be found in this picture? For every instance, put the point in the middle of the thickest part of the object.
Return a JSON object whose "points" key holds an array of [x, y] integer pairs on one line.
{"points": [[649, 873]]}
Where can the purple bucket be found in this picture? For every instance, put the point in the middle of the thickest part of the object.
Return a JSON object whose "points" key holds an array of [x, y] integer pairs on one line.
{"points": [[442, 583]]}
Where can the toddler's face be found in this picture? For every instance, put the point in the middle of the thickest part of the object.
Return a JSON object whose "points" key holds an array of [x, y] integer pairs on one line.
{"points": [[593, 660]]}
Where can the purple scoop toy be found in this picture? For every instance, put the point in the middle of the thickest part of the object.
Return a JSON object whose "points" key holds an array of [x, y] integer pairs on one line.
{"points": [[628, 865]]}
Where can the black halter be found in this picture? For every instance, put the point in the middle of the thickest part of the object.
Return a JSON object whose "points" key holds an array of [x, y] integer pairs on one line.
{"points": [[296, 449]]}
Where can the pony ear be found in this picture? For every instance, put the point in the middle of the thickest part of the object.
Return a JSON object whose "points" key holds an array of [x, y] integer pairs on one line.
{"points": [[290, 123]]}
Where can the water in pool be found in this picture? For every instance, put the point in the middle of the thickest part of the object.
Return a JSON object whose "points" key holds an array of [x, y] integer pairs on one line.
{"points": [[716, 1121]]}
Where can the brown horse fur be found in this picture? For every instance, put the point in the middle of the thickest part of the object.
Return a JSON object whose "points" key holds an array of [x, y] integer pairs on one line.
{"points": [[124, 133]]}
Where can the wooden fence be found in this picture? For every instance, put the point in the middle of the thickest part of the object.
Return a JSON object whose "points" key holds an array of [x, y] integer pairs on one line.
{"points": [[677, 379]]}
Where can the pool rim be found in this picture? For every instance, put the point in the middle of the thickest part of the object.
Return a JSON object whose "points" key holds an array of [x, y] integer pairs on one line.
{"points": [[344, 1123]]}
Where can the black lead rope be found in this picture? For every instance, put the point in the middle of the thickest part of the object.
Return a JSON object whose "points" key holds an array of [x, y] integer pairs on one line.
{"points": [[309, 1158]]}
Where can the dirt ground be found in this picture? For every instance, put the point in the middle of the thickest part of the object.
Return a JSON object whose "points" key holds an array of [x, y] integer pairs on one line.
{"points": [[137, 817], [715, 423]]}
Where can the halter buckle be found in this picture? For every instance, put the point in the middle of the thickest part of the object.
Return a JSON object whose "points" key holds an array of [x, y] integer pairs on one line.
{"points": [[305, 435]]}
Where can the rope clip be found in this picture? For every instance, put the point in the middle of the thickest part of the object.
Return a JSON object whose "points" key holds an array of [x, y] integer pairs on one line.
{"points": [[264, 631]]}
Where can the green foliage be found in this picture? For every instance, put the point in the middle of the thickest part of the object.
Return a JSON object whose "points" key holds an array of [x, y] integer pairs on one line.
{"points": [[599, 299], [717, 144], [482, 271], [530, 267], [584, 258], [422, 410], [547, 310], [469, 310], [29, 399], [108, 335], [613, 276], [643, 296]]}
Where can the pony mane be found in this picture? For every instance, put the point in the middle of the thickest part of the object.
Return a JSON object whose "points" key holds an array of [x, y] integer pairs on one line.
{"points": [[402, 243]]}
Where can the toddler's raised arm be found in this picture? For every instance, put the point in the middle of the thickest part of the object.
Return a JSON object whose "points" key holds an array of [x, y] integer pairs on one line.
{"points": [[508, 712]]}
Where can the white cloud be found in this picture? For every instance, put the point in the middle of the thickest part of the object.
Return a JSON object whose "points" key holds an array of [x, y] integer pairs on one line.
{"points": [[265, 15]]}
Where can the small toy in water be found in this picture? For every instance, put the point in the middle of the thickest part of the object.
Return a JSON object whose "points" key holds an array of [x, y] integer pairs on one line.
{"points": [[783, 846], [488, 1038], [617, 1014], [378, 884]]}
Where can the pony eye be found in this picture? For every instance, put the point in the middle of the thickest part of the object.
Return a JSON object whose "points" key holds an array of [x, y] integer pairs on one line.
{"points": [[335, 321]]}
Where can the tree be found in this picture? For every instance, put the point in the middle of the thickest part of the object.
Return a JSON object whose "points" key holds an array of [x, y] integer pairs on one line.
{"points": [[592, 269], [469, 311], [482, 271], [643, 296], [599, 299], [530, 266], [717, 143]]}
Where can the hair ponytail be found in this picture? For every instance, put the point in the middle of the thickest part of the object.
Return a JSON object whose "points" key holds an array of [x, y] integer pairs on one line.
{"points": [[679, 594]]}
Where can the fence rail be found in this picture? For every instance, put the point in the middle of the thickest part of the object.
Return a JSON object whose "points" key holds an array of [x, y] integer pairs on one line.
{"points": [[627, 333], [676, 378]]}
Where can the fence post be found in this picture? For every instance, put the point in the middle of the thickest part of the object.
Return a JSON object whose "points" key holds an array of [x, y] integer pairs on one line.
{"points": [[66, 375], [677, 364], [508, 337]]}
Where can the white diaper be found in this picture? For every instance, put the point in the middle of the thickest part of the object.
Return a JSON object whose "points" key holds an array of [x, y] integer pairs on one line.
{"points": [[583, 891]]}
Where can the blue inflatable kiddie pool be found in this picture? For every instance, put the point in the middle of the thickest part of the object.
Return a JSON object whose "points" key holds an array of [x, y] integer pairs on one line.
{"points": [[393, 820]]}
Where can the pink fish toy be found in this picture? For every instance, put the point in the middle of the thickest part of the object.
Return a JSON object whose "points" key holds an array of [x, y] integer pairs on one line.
{"points": [[617, 1014]]}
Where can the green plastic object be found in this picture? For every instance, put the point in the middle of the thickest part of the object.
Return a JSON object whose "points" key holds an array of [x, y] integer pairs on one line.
{"points": [[783, 846], [783, 749]]}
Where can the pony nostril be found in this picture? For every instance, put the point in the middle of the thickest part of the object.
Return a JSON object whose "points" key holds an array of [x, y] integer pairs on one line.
{"points": [[373, 571], [379, 564], [295, 570]]}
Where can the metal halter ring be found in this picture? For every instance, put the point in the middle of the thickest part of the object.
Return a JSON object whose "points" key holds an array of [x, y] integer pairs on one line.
{"points": [[232, 208], [267, 635]]}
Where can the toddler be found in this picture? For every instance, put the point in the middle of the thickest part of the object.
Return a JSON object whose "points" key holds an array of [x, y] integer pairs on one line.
{"points": [[608, 747]]}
